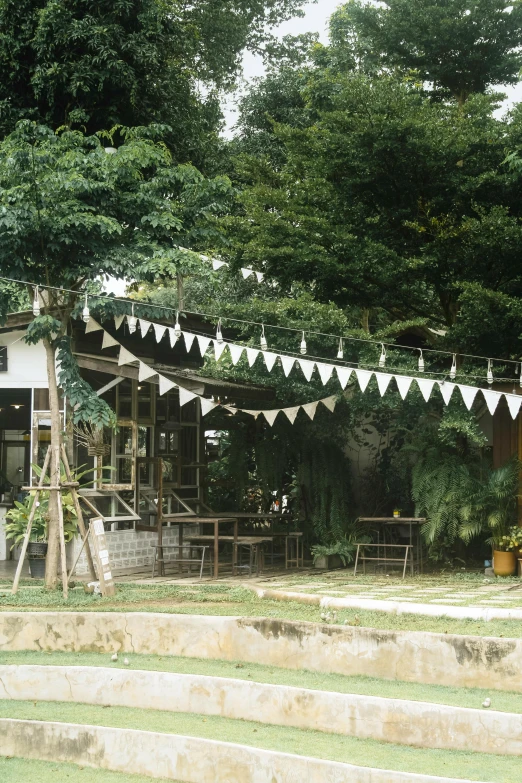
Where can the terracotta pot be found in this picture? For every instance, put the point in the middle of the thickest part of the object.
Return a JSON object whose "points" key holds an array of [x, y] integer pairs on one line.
{"points": [[504, 563]]}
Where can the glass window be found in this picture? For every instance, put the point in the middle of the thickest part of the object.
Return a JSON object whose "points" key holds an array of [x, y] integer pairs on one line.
{"points": [[145, 397], [125, 399]]}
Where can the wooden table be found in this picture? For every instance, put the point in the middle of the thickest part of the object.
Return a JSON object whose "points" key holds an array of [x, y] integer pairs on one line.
{"points": [[247, 541], [411, 522], [207, 519]]}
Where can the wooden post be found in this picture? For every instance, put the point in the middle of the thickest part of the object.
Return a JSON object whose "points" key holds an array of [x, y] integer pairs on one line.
{"points": [[61, 533], [30, 522], [161, 564], [79, 515]]}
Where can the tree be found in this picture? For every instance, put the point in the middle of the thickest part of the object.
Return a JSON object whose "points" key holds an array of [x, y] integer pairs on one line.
{"points": [[390, 201], [93, 64], [69, 213], [460, 47]]}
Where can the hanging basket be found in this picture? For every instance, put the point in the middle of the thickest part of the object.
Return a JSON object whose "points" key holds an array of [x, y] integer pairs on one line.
{"points": [[99, 450]]}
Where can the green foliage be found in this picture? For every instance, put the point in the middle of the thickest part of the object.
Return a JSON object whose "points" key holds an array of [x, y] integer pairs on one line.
{"points": [[94, 64], [18, 518], [86, 405], [491, 506], [457, 46], [511, 541], [344, 548]]}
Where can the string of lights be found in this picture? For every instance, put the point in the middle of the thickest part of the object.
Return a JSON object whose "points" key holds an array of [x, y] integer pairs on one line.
{"points": [[303, 348]]}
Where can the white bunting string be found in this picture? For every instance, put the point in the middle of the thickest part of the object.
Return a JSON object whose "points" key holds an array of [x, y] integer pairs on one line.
{"points": [[326, 372]]}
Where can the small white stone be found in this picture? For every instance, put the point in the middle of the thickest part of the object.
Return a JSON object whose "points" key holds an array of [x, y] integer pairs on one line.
{"points": [[486, 703], [114, 657], [126, 662]]}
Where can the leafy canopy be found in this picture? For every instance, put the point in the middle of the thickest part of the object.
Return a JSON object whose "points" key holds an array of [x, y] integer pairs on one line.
{"points": [[98, 63], [459, 46]]}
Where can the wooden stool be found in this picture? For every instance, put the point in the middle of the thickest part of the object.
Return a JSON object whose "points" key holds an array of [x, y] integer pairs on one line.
{"points": [[294, 550]]}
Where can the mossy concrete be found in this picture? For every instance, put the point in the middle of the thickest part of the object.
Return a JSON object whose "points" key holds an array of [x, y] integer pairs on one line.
{"points": [[445, 659], [190, 759], [390, 720]]}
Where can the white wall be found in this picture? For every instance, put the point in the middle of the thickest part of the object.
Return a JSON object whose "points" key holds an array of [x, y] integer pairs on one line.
{"points": [[26, 363]]}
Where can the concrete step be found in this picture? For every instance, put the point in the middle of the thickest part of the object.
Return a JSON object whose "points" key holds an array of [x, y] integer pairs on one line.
{"points": [[400, 721]]}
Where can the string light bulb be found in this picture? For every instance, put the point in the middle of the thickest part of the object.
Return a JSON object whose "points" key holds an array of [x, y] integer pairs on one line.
{"points": [[340, 352], [303, 349], [382, 357], [421, 361], [86, 313], [177, 327], [263, 343], [36, 303], [132, 321], [219, 334], [453, 371], [489, 376]]}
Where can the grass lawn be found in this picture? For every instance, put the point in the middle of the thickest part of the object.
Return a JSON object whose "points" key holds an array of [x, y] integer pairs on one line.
{"points": [[456, 764], [234, 600], [27, 771], [391, 689]]}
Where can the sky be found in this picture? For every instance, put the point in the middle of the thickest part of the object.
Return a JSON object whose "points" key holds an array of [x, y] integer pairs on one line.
{"points": [[315, 21]]}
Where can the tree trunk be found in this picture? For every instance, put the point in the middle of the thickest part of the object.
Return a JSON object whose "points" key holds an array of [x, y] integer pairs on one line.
{"points": [[53, 531], [365, 320]]}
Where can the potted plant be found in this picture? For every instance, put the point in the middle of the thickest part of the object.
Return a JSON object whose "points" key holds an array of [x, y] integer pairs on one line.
{"points": [[18, 518], [492, 505], [507, 549], [335, 555], [15, 530]]}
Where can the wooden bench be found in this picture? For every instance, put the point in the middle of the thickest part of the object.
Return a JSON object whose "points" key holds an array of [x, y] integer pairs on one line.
{"points": [[205, 550]]}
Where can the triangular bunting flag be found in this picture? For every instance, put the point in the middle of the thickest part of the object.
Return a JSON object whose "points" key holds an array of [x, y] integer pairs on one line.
{"points": [[446, 389], [468, 394], [126, 357], [144, 326], [145, 372], [343, 373], [270, 359], [185, 396], [492, 399], [291, 413], [426, 386], [287, 362], [159, 331], [189, 339], [310, 408], [403, 384], [108, 340], [252, 354], [330, 402], [207, 405], [260, 277], [118, 320], [383, 381], [246, 272], [172, 337], [271, 416], [92, 326], [514, 402], [218, 349], [218, 264], [325, 371], [203, 343], [363, 376], [236, 352], [307, 367], [230, 409], [165, 385], [255, 414]]}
